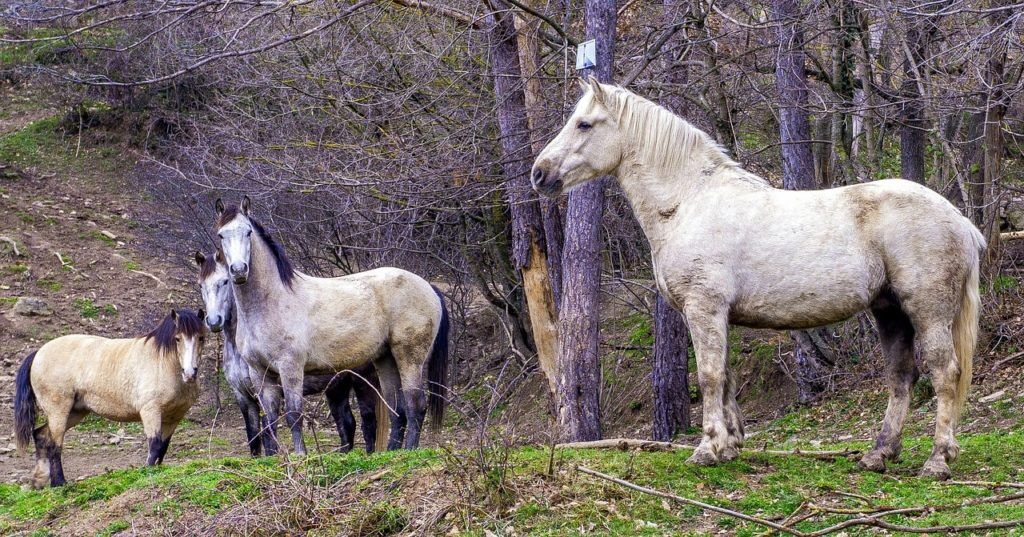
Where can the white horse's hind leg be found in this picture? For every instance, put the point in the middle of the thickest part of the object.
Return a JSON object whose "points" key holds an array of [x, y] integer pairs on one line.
{"points": [[710, 340], [936, 343], [897, 337], [733, 418]]}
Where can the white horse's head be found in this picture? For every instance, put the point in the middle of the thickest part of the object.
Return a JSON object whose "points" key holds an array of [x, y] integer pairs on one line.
{"points": [[215, 285], [588, 146], [234, 230]]}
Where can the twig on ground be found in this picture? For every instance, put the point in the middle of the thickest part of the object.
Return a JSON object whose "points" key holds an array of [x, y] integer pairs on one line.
{"points": [[148, 275], [991, 484], [14, 245], [652, 445]]}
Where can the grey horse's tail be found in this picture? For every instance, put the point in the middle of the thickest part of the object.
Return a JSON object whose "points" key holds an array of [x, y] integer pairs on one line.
{"points": [[437, 368], [24, 404], [965, 325]]}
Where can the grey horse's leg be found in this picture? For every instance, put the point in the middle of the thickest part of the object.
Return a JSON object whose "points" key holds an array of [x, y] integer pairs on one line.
{"points": [[709, 327], [250, 409], [897, 337], [390, 386], [936, 341], [269, 393], [733, 418], [291, 383], [338, 400]]}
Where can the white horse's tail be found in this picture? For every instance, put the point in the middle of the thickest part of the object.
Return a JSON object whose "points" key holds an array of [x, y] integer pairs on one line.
{"points": [[965, 325]]}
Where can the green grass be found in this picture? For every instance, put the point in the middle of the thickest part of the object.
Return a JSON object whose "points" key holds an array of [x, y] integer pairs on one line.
{"points": [[17, 268], [34, 144], [50, 285], [131, 265], [95, 424], [86, 308]]}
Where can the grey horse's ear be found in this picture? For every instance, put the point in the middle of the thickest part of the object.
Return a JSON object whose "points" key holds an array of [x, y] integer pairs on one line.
{"points": [[245, 205], [219, 206], [200, 258], [595, 86], [219, 256]]}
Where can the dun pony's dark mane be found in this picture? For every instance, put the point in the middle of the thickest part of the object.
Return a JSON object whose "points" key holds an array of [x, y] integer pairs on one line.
{"points": [[188, 325], [284, 266]]}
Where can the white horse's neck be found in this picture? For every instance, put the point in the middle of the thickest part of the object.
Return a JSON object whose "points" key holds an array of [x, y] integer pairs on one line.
{"points": [[264, 292], [668, 163]]}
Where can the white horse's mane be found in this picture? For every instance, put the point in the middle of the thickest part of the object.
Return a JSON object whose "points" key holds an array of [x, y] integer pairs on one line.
{"points": [[664, 139]]}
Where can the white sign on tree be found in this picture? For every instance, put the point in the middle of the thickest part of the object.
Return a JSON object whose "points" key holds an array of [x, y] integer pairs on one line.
{"points": [[586, 55]]}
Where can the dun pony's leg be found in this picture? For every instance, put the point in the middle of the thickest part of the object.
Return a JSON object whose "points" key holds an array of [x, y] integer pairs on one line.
{"points": [[291, 383], [166, 431], [41, 473], [58, 421], [366, 396], [897, 337], [936, 341], [709, 328], [152, 424], [338, 401], [390, 386]]}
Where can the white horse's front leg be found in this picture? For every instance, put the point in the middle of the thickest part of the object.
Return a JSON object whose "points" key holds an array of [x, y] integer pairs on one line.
{"points": [[709, 330]]}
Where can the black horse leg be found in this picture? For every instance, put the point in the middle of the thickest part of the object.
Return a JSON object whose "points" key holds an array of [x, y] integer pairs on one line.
{"points": [[339, 402], [367, 397], [251, 415]]}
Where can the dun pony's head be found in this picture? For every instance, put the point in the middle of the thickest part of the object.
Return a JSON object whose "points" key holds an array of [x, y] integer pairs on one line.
{"points": [[215, 285], [587, 147], [234, 229], [182, 332]]}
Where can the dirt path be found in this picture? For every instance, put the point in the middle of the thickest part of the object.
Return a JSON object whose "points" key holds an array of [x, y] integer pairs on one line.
{"points": [[86, 248]]}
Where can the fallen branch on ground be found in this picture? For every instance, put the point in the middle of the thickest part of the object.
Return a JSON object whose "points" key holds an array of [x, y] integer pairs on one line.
{"points": [[625, 444], [13, 244], [148, 275], [872, 520]]}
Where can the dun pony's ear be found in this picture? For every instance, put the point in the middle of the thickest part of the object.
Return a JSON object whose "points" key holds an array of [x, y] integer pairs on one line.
{"points": [[219, 257], [174, 315], [201, 314], [200, 258], [595, 86], [245, 205], [219, 206]]}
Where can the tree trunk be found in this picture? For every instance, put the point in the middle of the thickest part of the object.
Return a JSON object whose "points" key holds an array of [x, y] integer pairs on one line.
{"points": [[528, 249], [912, 124], [797, 165], [669, 372], [579, 368], [995, 112], [671, 340]]}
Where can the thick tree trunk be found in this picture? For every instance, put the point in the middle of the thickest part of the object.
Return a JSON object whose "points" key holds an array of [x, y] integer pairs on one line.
{"points": [[669, 372], [797, 165], [528, 249], [579, 368], [995, 113], [670, 364]]}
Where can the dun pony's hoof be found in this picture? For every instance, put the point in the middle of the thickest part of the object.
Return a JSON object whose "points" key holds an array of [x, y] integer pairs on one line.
{"points": [[936, 469], [703, 457], [872, 461]]}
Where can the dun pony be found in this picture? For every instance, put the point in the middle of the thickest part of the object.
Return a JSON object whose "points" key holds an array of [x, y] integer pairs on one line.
{"points": [[151, 378]]}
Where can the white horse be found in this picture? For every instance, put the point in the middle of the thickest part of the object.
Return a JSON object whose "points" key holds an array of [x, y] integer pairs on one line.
{"points": [[291, 324], [729, 248]]}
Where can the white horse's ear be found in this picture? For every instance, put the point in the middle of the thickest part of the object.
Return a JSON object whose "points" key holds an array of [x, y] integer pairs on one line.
{"points": [[583, 84], [219, 206], [200, 258], [595, 86], [245, 205]]}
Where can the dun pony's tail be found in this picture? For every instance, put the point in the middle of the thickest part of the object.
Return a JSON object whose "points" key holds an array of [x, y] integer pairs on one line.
{"points": [[437, 369], [24, 404], [965, 326]]}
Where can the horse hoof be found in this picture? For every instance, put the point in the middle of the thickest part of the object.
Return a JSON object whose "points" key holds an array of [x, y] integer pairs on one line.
{"points": [[703, 457], [730, 454], [873, 462], [936, 470]]}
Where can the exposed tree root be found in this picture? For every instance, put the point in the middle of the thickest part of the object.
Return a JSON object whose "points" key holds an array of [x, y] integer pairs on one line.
{"points": [[626, 444]]}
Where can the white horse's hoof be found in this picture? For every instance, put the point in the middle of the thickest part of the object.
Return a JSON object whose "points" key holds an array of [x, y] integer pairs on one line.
{"points": [[730, 454], [703, 457], [936, 469], [873, 461]]}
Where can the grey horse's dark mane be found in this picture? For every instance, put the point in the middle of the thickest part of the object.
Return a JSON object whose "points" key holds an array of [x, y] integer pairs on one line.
{"points": [[188, 324], [284, 266]]}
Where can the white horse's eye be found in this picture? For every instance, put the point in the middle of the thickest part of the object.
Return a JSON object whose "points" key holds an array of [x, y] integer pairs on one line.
{"points": [[220, 235], [583, 126]]}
